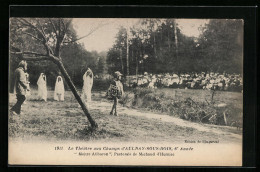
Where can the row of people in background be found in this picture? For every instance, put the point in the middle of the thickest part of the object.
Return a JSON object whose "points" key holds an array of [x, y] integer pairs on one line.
{"points": [[210, 81]]}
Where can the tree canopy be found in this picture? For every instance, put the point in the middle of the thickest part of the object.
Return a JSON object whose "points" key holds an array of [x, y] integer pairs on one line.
{"points": [[75, 57], [158, 46]]}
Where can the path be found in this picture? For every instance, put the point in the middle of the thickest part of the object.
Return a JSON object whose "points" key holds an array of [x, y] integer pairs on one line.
{"points": [[105, 108]]}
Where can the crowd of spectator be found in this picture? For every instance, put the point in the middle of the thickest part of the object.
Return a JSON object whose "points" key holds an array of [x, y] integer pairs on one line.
{"points": [[210, 81]]}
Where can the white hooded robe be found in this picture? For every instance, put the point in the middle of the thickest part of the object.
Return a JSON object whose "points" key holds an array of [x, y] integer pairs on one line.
{"points": [[87, 86], [59, 89], [42, 87]]}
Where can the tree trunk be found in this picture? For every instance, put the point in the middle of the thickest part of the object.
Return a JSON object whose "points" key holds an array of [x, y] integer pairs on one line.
{"points": [[121, 59], [154, 46], [136, 67], [176, 44], [127, 56], [168, 35], [75, 93], [127, 53]]}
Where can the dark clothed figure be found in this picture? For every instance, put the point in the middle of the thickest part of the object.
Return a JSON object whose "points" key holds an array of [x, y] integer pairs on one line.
{"points": [[20, 86], [115, 92]]}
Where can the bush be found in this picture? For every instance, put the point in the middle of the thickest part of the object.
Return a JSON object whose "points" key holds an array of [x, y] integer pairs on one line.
{"points": [[101, 84], [187, 109]]}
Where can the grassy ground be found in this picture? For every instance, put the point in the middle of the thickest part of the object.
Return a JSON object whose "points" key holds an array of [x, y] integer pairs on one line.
{"points": [[193, 105], [54, 120]]}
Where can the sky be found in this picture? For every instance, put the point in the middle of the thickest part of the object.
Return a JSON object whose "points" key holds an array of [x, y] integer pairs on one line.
{"points": [[105, 30]]}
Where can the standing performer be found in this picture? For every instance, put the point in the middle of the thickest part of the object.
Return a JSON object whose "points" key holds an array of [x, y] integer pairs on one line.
{"points": [[20, 87], [42, 87], [59, 89], [87, 86], [115, 91]]}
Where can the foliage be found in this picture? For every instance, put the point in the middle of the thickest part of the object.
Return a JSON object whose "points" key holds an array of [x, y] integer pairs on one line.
{"points": [[221, 45], [185, 107], [158, 46]]}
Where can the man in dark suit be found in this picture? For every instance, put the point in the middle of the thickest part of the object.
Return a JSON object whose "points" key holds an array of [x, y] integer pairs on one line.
{"points": [[20, 87]]}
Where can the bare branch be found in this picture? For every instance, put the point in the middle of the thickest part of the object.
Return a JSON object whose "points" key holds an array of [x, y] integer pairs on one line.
{"points": [[80, 37], [68, 24], [94, 29], [37, 57], [34, 58], [25, 22], [59, 27], [34, 27], [60, 37], [29, 53], [42, 29], [55, 59], [63, 31], [33, 36], [48, 49], [15, 48], [64, 26], [53, 27]]}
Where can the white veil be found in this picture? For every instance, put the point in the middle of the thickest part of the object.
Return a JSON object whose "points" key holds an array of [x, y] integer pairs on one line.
{"points": [[87, 85], [42, 88], [59, 89]]}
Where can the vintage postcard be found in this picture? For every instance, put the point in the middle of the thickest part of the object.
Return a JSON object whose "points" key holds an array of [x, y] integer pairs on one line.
{"points": [[125, 91]]}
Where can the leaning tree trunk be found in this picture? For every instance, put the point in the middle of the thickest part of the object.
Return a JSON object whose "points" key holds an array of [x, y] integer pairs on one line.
{"points": [[75, 93]]}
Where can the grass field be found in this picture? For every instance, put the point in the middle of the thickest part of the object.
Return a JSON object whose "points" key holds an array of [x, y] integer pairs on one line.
{"points": [[65, 120]]}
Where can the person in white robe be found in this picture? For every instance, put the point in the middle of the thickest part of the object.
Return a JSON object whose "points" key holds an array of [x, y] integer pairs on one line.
{"points": [[59, 89], [87, 86], [42, 87]]}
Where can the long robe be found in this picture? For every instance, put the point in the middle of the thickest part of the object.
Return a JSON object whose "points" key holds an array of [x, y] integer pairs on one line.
{"points": [[59, 89], [87, 86], [42, 87]]}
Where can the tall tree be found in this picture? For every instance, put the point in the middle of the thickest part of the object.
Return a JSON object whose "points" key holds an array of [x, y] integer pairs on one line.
{"points": [[49, 36], [221, 45], [117, 54]]}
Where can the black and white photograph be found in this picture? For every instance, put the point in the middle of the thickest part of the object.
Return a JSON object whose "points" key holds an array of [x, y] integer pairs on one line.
{"points": [[125, 91]]}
